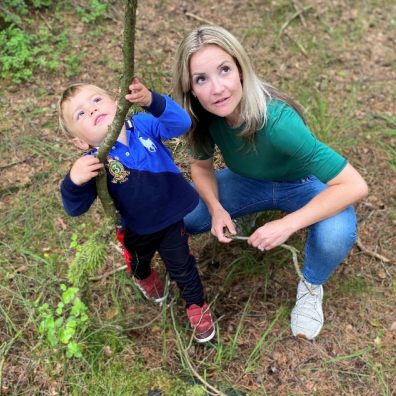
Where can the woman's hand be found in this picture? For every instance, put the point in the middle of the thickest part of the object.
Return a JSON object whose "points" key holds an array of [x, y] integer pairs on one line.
{"points": [[271, 234], [84, 169], [221, 221]]}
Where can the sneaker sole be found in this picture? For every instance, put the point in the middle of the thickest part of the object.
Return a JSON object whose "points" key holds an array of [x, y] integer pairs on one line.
{"points": [[208, 338], [156, 300]]}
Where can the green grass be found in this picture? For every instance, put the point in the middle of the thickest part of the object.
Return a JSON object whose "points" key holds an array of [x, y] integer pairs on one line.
{"points": [[315, 64], [354, 287], [387, 138]]}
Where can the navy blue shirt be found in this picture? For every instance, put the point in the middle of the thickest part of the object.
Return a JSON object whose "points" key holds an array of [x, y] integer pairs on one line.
{"points": [[147, 187]]}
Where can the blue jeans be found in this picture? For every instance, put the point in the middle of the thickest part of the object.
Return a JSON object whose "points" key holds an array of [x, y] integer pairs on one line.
{"points": [[328, 242]]}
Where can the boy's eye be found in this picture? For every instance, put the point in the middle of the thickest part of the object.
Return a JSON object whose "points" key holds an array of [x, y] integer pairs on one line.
{"points": [[80, 114], [96, 100]]}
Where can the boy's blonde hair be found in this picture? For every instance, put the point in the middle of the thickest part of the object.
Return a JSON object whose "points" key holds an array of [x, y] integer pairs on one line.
{"points": [[69, 93]]}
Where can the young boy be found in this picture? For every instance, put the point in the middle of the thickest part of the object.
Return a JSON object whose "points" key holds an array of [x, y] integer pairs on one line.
{"points": [[148, 189]]}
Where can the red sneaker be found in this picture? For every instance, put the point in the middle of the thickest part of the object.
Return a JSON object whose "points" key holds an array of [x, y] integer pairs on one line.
{"points": [[151, 287], [201, 321]]}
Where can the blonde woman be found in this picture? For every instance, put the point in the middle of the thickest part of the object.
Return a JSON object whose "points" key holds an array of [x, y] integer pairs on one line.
{"points": [[273, 162]]}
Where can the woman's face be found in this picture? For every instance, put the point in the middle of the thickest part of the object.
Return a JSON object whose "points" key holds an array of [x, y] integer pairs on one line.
{"points": [[216, 82]]}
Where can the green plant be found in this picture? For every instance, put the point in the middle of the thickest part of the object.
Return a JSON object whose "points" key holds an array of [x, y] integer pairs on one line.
{"points": [[16, 54], [89, 256], [92, 12], [23, 53], [26, 47], [390, 135], [64, 325]]}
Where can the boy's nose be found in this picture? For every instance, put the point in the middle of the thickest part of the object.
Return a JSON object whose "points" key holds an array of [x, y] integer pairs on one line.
{"points": [[93, 110]]}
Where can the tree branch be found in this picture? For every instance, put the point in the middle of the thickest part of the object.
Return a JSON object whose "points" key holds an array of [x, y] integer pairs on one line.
{"points": [[122, 108]]}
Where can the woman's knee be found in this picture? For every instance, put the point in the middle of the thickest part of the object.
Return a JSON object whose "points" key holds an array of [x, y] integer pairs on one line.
{"points": [[336, 234]]}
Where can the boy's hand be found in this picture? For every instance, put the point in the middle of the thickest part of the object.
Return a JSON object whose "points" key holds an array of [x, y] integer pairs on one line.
{"points": [[139, 95], [84, 169]]}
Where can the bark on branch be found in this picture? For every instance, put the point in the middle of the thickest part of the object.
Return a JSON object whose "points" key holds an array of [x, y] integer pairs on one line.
{"points": [[123, 107]]}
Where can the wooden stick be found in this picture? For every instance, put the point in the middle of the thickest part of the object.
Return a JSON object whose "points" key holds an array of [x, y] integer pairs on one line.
{"points": [[294, 252], [360, 245], [294, 16], [291, 249], [301, 16], [187, 359], [106, 274], [198, 18]]}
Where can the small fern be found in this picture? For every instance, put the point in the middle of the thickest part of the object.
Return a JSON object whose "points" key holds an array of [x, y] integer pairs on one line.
{"points": [[90, 255]]}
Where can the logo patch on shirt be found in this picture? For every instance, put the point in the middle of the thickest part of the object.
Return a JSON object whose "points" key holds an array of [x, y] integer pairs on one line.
{"points": [[148, 143], [117, 170]]}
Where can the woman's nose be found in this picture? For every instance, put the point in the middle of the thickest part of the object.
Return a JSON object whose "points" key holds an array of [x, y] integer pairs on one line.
{"points": [[217, 86]]}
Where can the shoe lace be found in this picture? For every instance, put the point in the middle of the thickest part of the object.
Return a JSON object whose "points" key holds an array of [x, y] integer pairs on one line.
{"points": [[309, 298]]}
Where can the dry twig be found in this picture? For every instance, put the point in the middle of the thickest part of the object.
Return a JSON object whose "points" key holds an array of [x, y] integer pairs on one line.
{"points": [[291, 249], [294, 16], [188, 361], [198, 18], [301, 16], [360, 245]]}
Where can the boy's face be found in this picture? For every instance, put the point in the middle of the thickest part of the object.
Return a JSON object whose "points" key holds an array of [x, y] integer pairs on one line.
{"points": [[88, 114]]}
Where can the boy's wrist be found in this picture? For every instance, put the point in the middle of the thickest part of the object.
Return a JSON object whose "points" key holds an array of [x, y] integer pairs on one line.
{"points": [[157, 105], [70, 183], [150, 99]]}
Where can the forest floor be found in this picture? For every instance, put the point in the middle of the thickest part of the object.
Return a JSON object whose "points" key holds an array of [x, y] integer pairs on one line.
{"points": [[338, 59]]}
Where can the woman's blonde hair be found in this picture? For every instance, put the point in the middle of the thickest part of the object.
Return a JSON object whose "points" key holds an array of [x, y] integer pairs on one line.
{"points": [[69, 93], [255, 93]]}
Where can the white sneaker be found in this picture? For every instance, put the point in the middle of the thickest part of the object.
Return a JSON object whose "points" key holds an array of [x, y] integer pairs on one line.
{"points": [[307, 315]]}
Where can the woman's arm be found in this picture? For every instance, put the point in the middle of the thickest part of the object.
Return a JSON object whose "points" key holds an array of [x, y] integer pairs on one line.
{"points": [[345, 189], [202, 173]]}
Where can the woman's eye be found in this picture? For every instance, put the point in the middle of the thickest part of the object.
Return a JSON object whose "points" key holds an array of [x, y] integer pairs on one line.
{"points": [[225, 69], [199, 80]]}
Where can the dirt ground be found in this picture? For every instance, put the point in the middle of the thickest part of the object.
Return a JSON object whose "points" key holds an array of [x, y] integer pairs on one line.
{"points": [[355, 43]]}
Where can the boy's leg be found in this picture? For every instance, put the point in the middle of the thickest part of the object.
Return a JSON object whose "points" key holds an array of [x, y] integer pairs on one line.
{"points": [[181, 266], [140, 251]]}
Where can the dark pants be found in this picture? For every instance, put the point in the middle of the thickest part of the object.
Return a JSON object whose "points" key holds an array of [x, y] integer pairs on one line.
{"points": [[172, 245]]}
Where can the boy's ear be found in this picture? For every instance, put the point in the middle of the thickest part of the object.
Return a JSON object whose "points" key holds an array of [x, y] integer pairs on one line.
{"points": [[80, 143]]}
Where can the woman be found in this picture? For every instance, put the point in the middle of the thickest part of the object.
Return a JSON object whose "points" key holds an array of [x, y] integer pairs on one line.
{"points": [[273, 162]]}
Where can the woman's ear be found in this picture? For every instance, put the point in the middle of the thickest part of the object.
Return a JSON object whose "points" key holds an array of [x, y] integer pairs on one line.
{"points": [[193, 94], [80, 144]]}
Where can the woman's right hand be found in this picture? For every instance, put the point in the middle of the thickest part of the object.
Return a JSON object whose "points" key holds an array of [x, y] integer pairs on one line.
{"points": [[84, 169], [221, 222], [202, 173]]}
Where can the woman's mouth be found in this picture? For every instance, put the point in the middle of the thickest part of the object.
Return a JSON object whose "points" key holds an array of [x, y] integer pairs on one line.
{"points": [[220, 102]]}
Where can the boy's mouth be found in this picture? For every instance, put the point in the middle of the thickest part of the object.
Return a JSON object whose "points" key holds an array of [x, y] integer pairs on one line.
{"points": [[99, 118]]}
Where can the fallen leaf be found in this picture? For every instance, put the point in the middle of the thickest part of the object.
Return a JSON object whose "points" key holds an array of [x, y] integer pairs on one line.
{"points": [[60, 222], [111, 313], [107, 351]]}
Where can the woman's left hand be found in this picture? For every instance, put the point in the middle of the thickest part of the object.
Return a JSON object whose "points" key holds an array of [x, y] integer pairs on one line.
{"points": [[271, 234]]}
